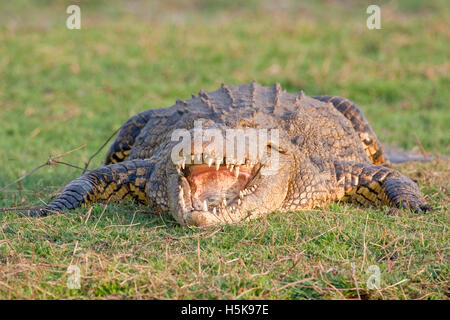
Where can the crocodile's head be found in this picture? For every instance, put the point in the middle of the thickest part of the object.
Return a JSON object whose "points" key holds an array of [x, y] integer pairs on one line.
{"points": [[208, 187]]}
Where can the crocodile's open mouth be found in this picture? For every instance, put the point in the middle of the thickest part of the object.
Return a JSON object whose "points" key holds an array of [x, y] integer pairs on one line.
{"points": [[215, 184]]}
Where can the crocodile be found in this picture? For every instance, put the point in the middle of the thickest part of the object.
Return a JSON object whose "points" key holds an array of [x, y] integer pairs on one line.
{"points": [[324, 150]]}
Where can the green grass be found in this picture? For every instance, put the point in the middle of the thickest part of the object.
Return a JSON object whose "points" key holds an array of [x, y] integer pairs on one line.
{"points": [[61, 89]]}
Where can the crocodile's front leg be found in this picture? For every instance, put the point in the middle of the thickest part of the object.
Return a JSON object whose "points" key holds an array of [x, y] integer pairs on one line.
{"points": [[365, 183], [115, 182]]}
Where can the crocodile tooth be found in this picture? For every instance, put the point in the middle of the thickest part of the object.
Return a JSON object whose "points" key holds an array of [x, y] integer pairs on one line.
{"points": [[241, 195], [217, 164], [183, 162], [236, 173], [192, 158], [205, 205], [183, 204], [231, 167], [239, 202], [181, 196], [214, 210], [209, 162], [224, 202]]}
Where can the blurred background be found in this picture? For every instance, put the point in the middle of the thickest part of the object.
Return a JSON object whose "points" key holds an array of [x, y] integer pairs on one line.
{"points": [[61, 88]]}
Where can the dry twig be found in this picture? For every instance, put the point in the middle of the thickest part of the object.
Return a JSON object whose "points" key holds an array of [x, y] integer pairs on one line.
{"points": [[54, 160]]}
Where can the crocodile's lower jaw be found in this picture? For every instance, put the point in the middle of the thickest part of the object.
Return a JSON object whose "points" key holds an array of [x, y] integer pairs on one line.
{"points": [[215, 187]]}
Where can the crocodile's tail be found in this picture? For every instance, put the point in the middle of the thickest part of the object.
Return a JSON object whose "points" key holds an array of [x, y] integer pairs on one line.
{"points": [[109, 183]]}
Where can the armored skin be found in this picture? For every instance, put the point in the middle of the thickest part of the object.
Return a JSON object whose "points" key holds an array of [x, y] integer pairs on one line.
{"points": [[325, 151]]}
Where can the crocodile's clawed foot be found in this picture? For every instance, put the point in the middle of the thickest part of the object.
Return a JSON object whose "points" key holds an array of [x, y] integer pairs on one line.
{"points": [[405, 194], [35, 212], [414, 206]]}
